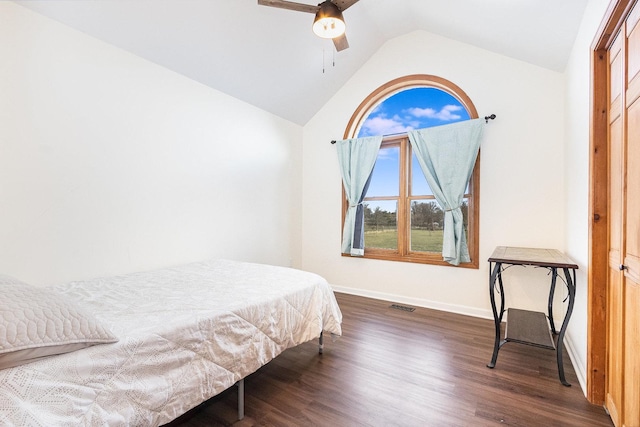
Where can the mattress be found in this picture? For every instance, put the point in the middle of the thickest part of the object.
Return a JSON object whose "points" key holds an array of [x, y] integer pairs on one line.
{"points": [[184, 335]]}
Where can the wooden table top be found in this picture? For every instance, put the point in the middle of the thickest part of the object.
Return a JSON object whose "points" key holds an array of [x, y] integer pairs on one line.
{"points": [[532, 256]]}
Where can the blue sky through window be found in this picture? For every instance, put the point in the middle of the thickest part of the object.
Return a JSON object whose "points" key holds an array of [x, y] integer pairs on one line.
{"points": [[411, 109], [414, 108]]}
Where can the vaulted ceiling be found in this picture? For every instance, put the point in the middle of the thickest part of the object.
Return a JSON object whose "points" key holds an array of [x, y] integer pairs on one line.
{"points": [[269, 57]]}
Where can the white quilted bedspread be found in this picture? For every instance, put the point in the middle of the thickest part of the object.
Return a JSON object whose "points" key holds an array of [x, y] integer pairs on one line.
{"points": [[185, 334]]}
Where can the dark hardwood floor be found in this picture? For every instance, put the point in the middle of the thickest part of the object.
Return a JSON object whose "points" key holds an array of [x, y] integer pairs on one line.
{"points": [[397, 368]]}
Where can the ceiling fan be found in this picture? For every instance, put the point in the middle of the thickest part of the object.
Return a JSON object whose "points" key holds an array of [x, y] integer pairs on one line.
{"points": [[328, 23]]}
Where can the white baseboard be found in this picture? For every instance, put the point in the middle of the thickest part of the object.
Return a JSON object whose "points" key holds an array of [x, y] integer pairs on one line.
{"points": [[418, 302], [581, 370]]}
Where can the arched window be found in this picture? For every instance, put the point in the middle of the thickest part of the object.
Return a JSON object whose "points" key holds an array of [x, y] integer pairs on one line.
{"points": [[403, 221]]}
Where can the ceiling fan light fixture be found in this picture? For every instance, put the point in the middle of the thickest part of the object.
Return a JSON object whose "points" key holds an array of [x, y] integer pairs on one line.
{"points": [[329, 22]]}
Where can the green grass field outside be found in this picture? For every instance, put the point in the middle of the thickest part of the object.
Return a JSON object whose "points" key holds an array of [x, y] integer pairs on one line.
{"points": [[421, 240]]}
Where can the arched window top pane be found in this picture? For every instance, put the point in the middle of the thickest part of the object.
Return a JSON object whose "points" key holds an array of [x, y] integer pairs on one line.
{"points": [[389, 119], [413, 108]]}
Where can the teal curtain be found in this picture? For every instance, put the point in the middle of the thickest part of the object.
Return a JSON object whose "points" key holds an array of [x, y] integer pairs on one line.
{"points": [[446, 155], [356, 157]]}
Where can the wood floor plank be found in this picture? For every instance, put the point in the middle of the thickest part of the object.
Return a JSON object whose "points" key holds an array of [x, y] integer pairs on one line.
{"points": [[398, 368]]}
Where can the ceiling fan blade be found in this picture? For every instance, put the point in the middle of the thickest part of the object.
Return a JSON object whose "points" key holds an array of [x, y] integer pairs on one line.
{"points": [[282, 4], [341, 42], [344, 4]]}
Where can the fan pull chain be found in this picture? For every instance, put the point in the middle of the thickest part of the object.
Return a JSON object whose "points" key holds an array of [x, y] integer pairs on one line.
{"points": [[333, 59]]}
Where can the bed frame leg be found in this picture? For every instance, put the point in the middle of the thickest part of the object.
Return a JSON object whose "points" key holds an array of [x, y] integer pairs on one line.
{"points": [[240, 399], [320, 344]]}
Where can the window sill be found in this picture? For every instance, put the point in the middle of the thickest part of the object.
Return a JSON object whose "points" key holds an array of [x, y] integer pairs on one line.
{"points": [[413, 258]]}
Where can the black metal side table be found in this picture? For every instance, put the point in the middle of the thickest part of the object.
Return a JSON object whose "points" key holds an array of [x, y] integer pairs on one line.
{"points": [[524, 326]]}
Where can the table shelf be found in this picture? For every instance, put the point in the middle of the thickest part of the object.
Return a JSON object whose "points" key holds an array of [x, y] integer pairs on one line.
{"points": [[528, 327]]}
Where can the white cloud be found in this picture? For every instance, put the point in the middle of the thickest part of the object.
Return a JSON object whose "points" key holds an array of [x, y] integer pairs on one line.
{"points": [[387, 154], [447, 113], [381, 125]]}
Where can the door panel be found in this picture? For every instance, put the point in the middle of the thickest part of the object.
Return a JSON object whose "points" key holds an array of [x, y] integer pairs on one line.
{"points": [[615, 194], [615, 79], [632, 212], [633, 43], [615, 344], [632, 357]]}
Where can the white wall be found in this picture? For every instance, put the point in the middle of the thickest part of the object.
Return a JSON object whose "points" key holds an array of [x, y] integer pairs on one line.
{"points": [[578, 89], [522, 175], [111, 164]]}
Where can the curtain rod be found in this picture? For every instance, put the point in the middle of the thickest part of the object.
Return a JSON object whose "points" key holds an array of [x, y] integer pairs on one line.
{"points": [[486, 119]]}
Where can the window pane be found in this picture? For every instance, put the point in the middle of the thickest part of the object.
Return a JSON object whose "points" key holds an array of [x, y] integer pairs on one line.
{"points": [[426, 227], [419, 186], [427, 220], [385, 180], [381, 224]]}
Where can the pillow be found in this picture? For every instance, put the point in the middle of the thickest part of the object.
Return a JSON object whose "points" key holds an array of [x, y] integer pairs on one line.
{"points": [[39, 322]]}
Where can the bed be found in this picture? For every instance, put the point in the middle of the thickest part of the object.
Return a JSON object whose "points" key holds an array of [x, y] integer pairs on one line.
{"points": [[162, 341]]}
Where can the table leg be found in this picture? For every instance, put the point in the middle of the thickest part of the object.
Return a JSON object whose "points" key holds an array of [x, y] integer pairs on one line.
{"points": [[497, 316], [552, 291], [571, 286]]}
